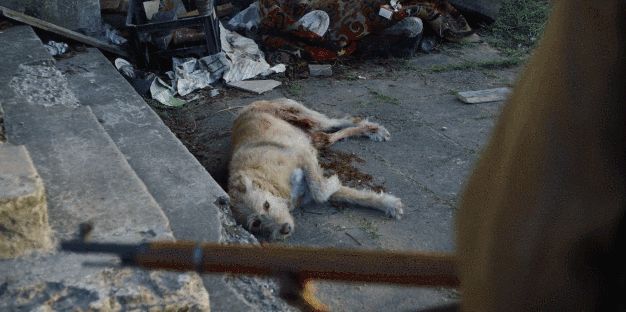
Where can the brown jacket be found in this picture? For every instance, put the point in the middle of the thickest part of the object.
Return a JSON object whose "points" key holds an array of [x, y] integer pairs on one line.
{"points": [[538, 222]]}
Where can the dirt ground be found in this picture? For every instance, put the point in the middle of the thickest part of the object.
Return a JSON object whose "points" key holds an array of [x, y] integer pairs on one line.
{"points": [[435, 141]]}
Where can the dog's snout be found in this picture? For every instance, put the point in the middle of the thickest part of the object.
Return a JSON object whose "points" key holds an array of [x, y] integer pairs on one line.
{"points": [[255, 226], [285, 229]]}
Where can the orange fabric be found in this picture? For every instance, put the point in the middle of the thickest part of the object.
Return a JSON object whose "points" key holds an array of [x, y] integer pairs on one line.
{"points": [[540, 213]]}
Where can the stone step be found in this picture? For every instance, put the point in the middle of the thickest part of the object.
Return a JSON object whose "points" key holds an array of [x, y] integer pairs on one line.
{"points": [[194, 203], [86, 178], [182, 187]]}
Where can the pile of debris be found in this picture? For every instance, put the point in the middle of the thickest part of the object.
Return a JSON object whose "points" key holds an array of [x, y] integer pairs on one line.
{"points": [[168, 49]]}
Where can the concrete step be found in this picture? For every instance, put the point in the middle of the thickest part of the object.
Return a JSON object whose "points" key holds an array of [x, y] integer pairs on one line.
{"points": [[86, 178], [181, 186], [196, 206]]}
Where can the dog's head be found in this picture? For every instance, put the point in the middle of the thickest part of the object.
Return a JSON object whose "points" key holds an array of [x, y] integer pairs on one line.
{"points": [[259, 211]]}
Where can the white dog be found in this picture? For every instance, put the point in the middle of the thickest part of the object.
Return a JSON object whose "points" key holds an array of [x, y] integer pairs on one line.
{"points": [[274, 167]]}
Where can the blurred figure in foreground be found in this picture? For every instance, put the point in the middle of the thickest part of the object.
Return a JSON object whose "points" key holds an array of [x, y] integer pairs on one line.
{"points": [[541, 222]]}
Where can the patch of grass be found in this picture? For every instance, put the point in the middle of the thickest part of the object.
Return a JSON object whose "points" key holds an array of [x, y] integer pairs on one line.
{"points": [[519, 26], [351, 76], [472, 65], [294, 89], [383, 98], [369, 228]]}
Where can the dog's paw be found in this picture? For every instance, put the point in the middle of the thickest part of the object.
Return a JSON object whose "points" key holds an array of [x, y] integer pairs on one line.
{"points": [[376, 132], [394, 207]]}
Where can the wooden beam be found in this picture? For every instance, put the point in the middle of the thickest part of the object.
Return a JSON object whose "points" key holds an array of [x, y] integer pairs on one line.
{"points": [[43, 25]]}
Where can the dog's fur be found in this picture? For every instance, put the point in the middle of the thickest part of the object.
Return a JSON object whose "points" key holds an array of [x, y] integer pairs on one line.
{"points": [[274, 167]]}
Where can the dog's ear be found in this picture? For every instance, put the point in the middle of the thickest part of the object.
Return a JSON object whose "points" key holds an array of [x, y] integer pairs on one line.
{"points": [[240, 184]]}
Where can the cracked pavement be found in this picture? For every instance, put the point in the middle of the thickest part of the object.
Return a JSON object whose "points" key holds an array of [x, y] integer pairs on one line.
{"points": [[435, 141]]}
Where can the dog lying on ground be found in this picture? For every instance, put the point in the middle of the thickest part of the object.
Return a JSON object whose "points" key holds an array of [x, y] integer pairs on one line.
{"points": [[274, 166]]}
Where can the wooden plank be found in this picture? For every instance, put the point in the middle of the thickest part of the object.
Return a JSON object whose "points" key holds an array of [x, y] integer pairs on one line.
{"points": [[484, 96], [43, 25]]}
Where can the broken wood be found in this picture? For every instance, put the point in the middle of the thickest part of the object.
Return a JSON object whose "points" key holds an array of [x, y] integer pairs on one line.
{"points": [[484, 96], [70, 34]]}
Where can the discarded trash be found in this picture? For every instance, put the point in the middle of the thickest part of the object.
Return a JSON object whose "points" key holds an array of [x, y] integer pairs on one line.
{"points": [[57, 48], [255, 86], [113, 35], [280, 68], [286, 25], [191, 74], [151, 8], [484, 96], [428, 44], [316, 21], [248, 19], [140, 80], [320, 70], [163, 93], [124, 67], [248, 61], [361, 77], [172, 31]]}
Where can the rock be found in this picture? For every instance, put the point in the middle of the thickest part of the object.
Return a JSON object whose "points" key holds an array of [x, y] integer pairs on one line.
{"points": [[320, 70], [23, 210], [484, 9]]}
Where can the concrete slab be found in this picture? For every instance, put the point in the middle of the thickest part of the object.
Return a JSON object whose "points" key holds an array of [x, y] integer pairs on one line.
{"points": [[87, 179]]}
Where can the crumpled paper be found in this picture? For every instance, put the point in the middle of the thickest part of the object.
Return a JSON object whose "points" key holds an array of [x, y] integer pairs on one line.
{"points": [[191, 74], [57, 48], [241, 59]]}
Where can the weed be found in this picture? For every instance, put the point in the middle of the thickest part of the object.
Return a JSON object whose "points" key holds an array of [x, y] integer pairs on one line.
{"points": [[473, 65], [519, 26], [383, 98], [369, 228], [294, 89], [351, 76]]}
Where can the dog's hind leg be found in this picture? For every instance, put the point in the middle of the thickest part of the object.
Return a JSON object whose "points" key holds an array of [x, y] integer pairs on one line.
{"points": [[389, 204], [376, 133], [319, 188], [291, 110]]}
